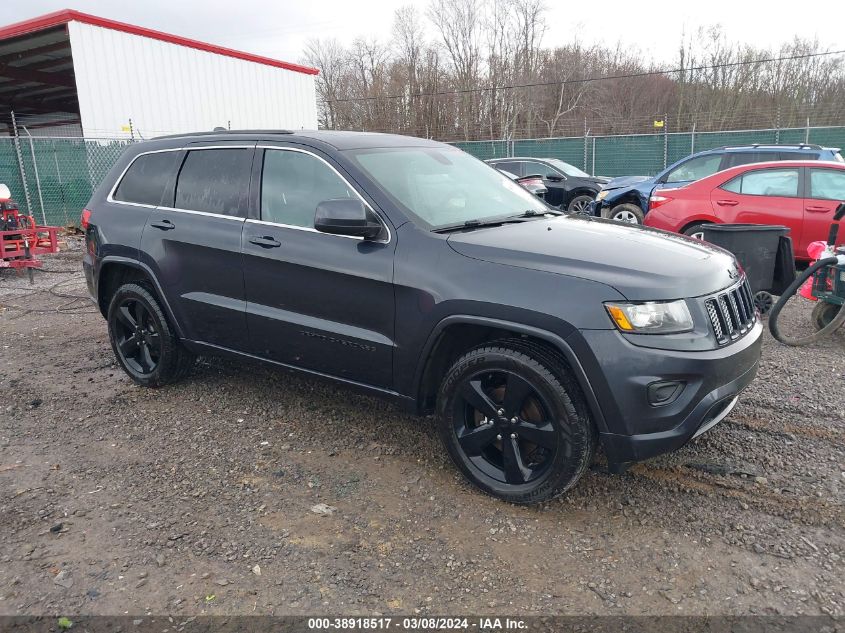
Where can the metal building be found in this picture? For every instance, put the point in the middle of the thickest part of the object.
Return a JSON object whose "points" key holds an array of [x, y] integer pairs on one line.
{"points": [[76, 74]]}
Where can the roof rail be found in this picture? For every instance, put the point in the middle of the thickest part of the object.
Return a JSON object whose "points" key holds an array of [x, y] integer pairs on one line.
{"points": [[219, 130]]}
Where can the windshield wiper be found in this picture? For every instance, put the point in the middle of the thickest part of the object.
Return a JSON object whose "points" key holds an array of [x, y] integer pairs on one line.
{"points": [[508, 219], [533, 213], [474, 224]]}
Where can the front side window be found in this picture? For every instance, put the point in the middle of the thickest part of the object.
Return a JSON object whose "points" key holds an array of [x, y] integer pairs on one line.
{"points": [[827, 184], [766, 182], [214, 180], [569, 170], [530, 168], [294, 183], [512, 167], [144, 181], [444, 186], [695, 169]]}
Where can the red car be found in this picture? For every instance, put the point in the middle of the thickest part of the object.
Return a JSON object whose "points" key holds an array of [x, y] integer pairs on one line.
{"points": [[801, 195]]}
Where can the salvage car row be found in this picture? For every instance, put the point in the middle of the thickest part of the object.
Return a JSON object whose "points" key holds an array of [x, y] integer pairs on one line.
{"points": [[797, 186]]}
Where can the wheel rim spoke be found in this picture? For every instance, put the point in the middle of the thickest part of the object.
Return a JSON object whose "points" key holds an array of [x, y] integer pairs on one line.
{"points": [[474, 441], [128, 347], [477, 399], [516, 472], [542, 434], [139, 313], [147, 360], [126, 318], [516, 391]]}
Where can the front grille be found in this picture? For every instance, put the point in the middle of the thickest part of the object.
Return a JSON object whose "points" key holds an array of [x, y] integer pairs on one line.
{"points": [[732, 312]]}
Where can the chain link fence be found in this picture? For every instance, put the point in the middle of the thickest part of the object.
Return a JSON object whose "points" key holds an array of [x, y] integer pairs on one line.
{"points": [[645, 154], [53, 178]]}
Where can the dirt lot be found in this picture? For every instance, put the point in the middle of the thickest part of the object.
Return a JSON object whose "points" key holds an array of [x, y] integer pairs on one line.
{"points": [[197, 498]]}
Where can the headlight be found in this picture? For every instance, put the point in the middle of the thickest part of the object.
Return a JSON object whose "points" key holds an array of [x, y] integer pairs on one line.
{"points": [[651, 317], [601, 195]]}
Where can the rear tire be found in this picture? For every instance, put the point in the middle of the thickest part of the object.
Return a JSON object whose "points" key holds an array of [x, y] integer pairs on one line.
{"points": [[143, 341], [695, 230], [626, 212], [514, 422]]}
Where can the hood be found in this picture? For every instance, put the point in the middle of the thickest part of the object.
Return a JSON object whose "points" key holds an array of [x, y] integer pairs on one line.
{"points": [[600, 180], [625, 181], [641, 263]]}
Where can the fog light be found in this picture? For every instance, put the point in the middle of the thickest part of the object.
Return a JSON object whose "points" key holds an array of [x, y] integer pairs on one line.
{"points": [[664, 392]]}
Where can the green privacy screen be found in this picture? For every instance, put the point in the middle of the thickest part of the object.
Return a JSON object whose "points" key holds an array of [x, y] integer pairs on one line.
{"points": [[52, 178], [644, 154]]}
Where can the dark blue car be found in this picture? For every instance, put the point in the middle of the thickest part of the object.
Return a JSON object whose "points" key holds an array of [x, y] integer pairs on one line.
{"points": [[625, 199]]}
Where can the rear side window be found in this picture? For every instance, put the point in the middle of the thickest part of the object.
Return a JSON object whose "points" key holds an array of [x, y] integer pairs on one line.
{"points": [[144, 181], [782, 183], [827, 184], [732, 159], [798, 156], [214, 180]]}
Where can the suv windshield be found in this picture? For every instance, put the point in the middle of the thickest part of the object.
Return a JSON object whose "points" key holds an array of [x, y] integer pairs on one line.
{"points": [[444, 186], [567, 169]]}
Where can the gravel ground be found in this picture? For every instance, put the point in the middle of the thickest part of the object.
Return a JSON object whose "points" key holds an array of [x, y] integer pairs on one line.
{"points": [[204, 497]]}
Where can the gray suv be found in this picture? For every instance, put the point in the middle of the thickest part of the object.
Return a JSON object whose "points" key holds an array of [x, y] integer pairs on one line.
{"points": [[408, 269]]}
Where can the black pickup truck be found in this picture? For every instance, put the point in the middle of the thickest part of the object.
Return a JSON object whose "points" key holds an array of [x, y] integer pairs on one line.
{"points": [[409, 269]]}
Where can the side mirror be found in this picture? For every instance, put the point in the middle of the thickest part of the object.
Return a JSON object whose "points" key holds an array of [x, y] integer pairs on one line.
{"points": [[347, 216], [554, 177]]}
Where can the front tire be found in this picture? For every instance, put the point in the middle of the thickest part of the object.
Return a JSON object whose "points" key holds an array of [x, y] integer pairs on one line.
{"points": [[579, 205], [514, 422], [626, 212], [143, 341]]}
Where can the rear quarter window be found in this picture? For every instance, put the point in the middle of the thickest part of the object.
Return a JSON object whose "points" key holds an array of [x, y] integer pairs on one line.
{"points": [[146, 178]]}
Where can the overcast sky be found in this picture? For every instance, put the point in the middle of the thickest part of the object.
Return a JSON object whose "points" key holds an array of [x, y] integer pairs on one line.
{"points": [[280, 29]]}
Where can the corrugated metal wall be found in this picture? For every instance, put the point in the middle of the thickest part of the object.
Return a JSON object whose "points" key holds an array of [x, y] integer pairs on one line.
{"points": [[167, 88]]}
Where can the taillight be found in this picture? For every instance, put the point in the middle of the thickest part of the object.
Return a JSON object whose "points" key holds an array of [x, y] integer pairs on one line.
{"points": [[658, 201], [85, 220]]}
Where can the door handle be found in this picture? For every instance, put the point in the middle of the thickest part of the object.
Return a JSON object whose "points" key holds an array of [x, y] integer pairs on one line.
{"points": [[164, 225], [265, 242], [727, 203], [816, 209]]}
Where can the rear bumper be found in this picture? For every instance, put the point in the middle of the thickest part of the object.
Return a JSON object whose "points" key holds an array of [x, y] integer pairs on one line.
{"points": [[621, 372]]}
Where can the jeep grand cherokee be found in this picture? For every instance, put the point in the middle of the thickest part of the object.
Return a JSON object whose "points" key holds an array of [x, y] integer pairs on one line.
{"points": [[409, 269]]}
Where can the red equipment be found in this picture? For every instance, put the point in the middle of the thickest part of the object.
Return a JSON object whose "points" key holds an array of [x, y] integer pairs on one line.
{"points": [[21, 239]]}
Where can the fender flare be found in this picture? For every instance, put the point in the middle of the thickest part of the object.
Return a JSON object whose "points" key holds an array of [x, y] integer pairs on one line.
{"points": [[558, 342], [134, 263]]}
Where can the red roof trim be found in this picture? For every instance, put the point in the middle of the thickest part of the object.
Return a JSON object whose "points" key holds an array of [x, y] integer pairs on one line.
{"points": [[69, 15]]}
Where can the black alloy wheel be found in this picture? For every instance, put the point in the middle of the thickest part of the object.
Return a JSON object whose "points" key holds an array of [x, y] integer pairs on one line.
{"points": [[137, 337], [503, 426], [142, 339], [514, 421]]}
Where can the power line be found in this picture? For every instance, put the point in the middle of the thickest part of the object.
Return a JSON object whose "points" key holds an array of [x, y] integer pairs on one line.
{"points": [[591, 79]]}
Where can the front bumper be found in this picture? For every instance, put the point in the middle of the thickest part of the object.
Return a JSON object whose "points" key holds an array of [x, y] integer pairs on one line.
{"points": [[621, 372], [595, 208]]}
